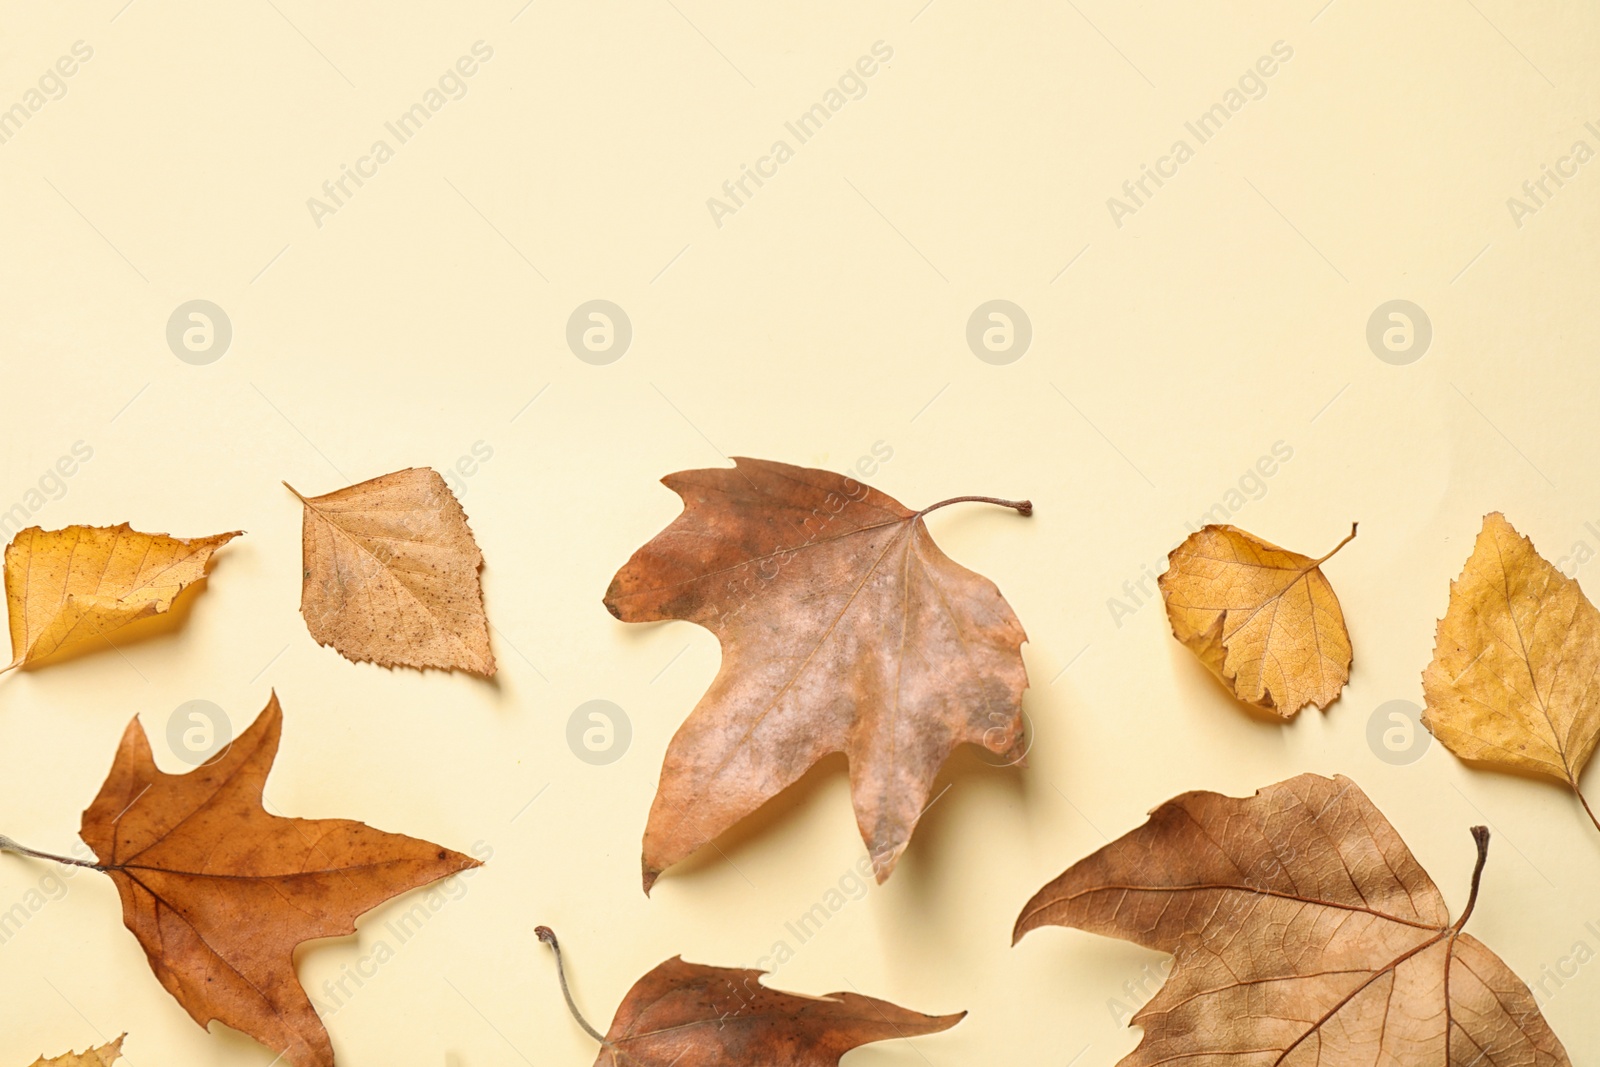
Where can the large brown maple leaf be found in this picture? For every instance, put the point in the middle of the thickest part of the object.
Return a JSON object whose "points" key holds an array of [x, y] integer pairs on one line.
{"points": [[1303, 934], [219, 892], [843, 627]]}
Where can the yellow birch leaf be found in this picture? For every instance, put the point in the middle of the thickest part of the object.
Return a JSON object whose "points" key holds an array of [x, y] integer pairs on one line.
{"points": [[64, 586], [103, 1056], [1515, 677], [1264, 620]]}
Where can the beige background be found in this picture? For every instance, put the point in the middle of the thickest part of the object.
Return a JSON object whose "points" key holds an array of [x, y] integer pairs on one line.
{"points": [[827, 314]]}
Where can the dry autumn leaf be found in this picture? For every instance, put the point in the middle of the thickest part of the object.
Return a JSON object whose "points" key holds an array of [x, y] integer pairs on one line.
{"points": [[391, 574], [691, 1015], [1262, 618], [66, 586], [1515, 677], [219, 892], [1303, 932], [843, 627], [104, 1056]]}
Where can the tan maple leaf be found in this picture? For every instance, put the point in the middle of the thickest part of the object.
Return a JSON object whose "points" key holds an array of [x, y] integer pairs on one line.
{"points": [[1515, 677], [219, 892], [72, 585], [843, 627], [1303, 934], [692, 1015], [1262, 618], [103, 1056], [391, 574]]}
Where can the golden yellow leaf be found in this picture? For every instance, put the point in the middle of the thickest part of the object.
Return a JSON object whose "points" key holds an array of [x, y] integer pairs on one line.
{"points": [[1262, 618], [103, 1056], [391, 574], [66, 585], [1515, 677]]}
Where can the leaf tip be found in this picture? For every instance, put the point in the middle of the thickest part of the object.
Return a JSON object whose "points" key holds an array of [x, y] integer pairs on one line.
{"points": [[884, 861]]}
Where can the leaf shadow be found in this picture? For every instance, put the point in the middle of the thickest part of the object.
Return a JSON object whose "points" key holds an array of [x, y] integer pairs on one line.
{"points": [[1543, 781], [138, 632], [746, 835], [936, 848], [1197, 677]]}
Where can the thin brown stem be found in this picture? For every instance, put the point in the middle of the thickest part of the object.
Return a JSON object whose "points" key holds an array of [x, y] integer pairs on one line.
{"points": [[8, 845], [296, 493], [1587, 809], [1024, 507], [1338, 546], [548, 936], [1480, 834]]}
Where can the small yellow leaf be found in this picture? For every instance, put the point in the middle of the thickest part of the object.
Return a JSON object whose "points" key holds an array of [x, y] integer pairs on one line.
{"points": [[1515, 677], [64, 586], [1262, 618], [390, 574], [103, 1056]]}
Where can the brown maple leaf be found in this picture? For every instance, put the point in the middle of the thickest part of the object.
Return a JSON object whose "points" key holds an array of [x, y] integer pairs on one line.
{"points": [[691, 1015], [1304, 934], [1515, 677], [391, 574], [1262, 618], [219, 892], [843, 627], [71, 585], [100, 1056]]}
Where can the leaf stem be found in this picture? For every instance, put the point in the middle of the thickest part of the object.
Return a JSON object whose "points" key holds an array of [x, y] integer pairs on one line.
{"points": [[1480, 834], [8, 845], [1587, 809], [1341, 544], [1024, 507], [548, 936]]}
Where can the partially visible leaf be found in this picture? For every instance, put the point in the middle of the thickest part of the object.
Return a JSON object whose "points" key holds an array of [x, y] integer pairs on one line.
{"points": [[391, 575], [1303, 934], [1515, 677], [103, 1056], [71, 585], [1264, 619], [692, 1015]]}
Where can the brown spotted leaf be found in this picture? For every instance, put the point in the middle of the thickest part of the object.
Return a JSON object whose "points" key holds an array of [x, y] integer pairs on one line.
{"points": [[219, 892], [1262, 618], [1303, 934], [391, 575], [843, 627]]}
